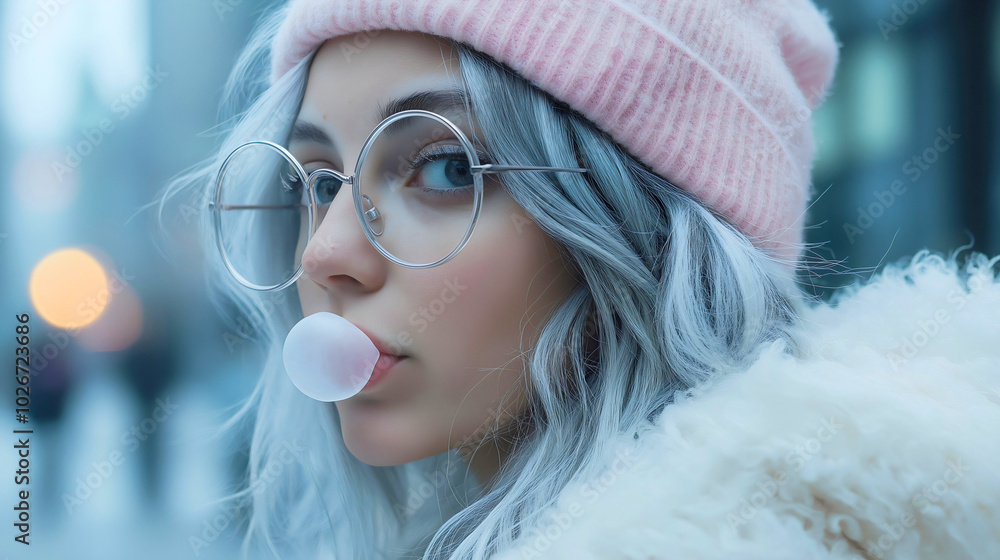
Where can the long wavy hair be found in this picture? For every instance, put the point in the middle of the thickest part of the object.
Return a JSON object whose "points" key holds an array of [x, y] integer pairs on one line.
{"points": [[671, 296]]}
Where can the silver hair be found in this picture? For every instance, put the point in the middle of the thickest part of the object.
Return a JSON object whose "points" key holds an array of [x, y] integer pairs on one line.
{"points": [[670, 296]]}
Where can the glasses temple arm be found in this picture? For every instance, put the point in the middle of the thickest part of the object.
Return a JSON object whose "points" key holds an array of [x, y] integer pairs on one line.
{"points": [[491, 168], [211, 204]]}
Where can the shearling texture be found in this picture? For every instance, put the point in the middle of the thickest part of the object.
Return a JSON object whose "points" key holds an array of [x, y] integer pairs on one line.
{"points": [[882, 442]]}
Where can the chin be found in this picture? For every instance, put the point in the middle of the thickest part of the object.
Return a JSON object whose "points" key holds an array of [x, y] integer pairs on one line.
{"points": [[369, 448], [377, 454]]}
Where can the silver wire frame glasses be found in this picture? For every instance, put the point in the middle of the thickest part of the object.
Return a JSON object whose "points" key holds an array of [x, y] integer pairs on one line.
{"points": [[418, 200]]}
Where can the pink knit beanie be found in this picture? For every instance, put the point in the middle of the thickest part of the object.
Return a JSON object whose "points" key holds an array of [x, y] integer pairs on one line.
{"points": [[716, 96]]}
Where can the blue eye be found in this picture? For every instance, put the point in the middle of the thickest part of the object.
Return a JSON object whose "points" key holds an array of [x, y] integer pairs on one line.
{"points": [[325, 186], [443, 170], [326, 189]]}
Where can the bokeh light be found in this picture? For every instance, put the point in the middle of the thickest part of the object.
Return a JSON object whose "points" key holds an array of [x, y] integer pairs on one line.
{"points": [[69, 288]]}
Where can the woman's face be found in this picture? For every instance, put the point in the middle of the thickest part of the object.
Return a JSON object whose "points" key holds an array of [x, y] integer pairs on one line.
{"points": [[459, 325]]}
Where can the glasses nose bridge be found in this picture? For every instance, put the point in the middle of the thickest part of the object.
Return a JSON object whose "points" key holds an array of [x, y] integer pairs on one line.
{"points": [[346, 187], [313, 177], [345, 179]]}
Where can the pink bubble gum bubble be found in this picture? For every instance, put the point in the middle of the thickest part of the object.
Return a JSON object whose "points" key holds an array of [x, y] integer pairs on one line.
{"points": [[328, 358]]}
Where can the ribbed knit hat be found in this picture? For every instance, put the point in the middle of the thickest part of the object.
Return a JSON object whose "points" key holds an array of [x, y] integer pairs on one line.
{"points": [[715, 96]]}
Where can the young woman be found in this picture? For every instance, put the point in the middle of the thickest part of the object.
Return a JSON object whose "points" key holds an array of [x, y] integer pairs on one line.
{"points": [[605, 355]]}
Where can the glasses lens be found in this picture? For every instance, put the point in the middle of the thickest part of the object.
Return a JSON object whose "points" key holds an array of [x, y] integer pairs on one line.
{"points": [[417, 190], [264, 221]]}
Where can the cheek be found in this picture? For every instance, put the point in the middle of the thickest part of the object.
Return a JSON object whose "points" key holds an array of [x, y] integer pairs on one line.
{"points": [[485, 287], [509, 277]]}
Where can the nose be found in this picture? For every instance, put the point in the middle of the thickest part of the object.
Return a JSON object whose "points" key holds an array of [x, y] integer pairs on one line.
{"points": [[338, 255]]}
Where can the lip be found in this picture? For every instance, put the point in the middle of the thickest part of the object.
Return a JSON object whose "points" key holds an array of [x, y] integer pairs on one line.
{"points": [[383, 348], [386, 359], [382, 366]]}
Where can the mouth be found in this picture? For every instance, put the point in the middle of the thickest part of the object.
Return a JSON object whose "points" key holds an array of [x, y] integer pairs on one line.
{"points": [[387, 358], [384, 349], [382, 367]]}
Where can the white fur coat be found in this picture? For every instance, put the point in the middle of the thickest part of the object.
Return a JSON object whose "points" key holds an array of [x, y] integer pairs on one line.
{"points": [[883, 443]]}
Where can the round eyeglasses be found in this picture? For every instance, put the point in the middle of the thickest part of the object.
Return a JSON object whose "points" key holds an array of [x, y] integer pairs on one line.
{"points": [[417, 188]]}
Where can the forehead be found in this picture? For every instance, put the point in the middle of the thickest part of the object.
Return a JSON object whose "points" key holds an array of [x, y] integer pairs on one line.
{"points": [[353, 76]]}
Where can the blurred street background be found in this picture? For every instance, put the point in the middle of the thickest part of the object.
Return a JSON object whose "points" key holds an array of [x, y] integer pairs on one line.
{"points": [[103, 101]]}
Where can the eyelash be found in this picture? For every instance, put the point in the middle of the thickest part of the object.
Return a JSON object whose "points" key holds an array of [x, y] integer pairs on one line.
{"points": [[432, 154], [436, 153]]}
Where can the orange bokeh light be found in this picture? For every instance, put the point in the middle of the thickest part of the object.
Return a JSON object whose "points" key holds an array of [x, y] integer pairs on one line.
{"points": [[69, 288]]}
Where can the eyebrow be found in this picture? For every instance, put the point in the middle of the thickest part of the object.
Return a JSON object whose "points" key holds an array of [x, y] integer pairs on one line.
{"points": [[445, 101]]}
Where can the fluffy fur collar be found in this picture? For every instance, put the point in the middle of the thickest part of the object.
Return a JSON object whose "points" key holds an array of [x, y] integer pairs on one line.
{"points": [[884, 442]]}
